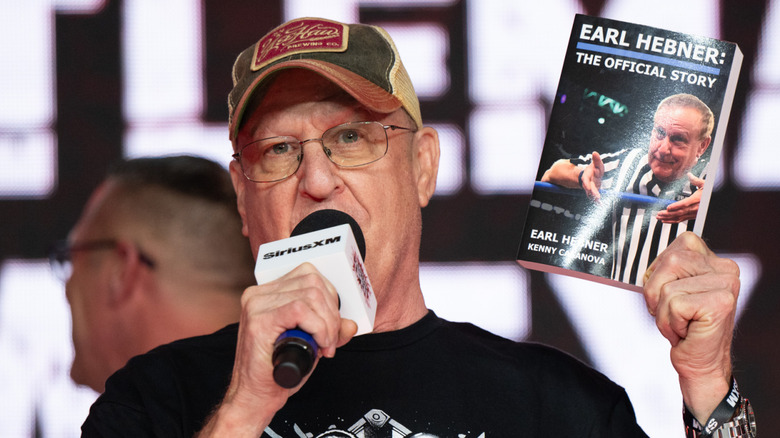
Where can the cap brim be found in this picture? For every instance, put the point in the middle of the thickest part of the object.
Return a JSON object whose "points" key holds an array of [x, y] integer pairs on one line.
{"points": [[364, 91]]}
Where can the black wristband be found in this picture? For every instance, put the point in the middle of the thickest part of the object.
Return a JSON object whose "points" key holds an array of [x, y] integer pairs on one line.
{"points": [[722, 414], [579, 178]]}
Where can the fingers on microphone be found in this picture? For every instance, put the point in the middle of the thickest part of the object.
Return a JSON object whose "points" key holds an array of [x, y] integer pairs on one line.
{"points": [[302, 298], [316, 311]]}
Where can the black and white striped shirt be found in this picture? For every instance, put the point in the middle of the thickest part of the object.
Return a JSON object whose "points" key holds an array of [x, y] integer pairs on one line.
{"points": [[637, 236]]}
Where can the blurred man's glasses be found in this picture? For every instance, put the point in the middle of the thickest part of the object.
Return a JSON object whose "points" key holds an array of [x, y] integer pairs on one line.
{"points": [[61, 253], [351, 144]]}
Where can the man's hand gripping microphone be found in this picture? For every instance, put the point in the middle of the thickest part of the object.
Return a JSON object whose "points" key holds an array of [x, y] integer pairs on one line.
{"points": [[332, 241]]}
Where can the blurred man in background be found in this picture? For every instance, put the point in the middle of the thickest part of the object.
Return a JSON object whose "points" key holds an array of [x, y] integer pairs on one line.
{"points": [[156, 256]]}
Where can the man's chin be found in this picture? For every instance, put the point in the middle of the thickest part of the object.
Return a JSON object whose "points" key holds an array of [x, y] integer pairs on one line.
{"points": [[80, 376]]}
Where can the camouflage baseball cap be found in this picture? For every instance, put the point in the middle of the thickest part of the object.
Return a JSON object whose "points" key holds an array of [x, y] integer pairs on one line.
{"points": [[359, 58]]}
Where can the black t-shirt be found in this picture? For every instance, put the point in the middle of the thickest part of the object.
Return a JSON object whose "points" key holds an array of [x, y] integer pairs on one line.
{"points": [[434, 378]]}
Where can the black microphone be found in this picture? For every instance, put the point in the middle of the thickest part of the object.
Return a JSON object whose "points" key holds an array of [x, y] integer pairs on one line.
{"points": [[332, 241]]}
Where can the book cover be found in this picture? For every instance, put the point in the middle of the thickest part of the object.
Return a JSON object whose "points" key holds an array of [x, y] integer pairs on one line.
{"points": [[632, 149]]}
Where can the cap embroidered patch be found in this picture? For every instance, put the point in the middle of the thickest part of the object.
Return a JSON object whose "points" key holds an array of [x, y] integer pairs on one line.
{"points": [[300, 36]]}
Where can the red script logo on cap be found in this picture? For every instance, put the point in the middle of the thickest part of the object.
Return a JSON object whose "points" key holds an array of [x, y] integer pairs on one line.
{"points": [[300, 36]]}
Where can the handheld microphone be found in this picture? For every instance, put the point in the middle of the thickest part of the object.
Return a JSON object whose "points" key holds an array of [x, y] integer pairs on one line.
{"points": [[332, 241]]}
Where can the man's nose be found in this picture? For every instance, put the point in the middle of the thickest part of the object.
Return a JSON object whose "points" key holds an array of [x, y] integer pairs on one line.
{"points": [[665, 146], [317, 173]]}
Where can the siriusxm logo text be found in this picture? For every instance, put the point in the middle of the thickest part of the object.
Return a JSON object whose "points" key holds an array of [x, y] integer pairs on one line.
{"points": [[291, 250]]}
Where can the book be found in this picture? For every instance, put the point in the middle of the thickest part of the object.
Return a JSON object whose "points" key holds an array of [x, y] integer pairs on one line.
{"points": [[639, 119]]}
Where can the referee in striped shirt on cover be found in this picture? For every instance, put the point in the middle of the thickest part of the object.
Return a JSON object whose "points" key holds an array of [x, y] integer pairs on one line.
{"points": [[671, 168]]}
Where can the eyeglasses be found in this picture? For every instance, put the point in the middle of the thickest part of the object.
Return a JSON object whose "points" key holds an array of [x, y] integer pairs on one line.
{"points": [[60, 255], [351, 144]]}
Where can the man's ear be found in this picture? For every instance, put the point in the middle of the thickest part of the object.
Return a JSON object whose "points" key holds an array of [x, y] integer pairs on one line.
{"points": [[126, 272], [427, 168], [239, 185], [703, 145]]}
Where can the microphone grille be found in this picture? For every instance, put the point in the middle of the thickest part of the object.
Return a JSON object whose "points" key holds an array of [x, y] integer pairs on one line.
{"points": [[321, 219]]}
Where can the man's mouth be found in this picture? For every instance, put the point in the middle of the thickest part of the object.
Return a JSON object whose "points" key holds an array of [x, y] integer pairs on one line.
{"points": [[664, 161]]}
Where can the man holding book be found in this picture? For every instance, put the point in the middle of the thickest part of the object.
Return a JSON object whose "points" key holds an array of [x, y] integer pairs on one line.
{"points": [[416, 374], [157, 255]]}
